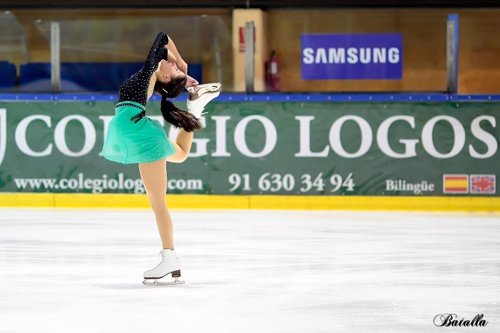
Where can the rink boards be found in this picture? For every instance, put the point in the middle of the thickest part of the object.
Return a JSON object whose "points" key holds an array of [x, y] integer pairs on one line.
{"points": [[263, 202], [258, 151]]}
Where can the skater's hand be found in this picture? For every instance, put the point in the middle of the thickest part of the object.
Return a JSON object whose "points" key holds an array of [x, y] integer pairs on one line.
{"points": [[191, 82], [183, 67]]}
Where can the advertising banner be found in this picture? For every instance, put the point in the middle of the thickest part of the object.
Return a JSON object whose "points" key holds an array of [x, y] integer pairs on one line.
{"points": [[352, 56], [293, 148]]}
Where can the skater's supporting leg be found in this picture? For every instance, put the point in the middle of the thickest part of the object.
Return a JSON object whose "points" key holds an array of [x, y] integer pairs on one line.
{"points": [[154, 177]]}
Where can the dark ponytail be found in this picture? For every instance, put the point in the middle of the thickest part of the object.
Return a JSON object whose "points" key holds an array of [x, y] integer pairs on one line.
{"points": [[177, 117], [172, 114]]}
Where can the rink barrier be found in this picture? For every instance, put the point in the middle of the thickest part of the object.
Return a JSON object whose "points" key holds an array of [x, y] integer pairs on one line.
{"points": [[266, 97], [272, 202], [365, 173]]}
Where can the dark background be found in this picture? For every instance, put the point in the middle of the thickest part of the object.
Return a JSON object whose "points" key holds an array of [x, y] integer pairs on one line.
{"points": [[11, 4]]}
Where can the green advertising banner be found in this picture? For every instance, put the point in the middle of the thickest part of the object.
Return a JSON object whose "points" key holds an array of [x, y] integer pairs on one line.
{"points": [[265, 148]]}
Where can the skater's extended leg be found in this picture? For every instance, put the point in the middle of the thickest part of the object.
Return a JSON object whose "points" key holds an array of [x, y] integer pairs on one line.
{"points": [[182, 146], [196, 103]]}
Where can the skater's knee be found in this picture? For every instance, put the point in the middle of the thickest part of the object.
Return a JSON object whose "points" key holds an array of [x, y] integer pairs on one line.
{"points": [[182, 156], [179, 156]]}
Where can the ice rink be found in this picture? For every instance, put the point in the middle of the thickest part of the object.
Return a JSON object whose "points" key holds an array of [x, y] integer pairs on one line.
{"points": [[248, 271]]}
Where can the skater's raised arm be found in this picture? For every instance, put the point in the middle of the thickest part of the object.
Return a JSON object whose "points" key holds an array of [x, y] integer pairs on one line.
{"points": [[172, 50], [136, 88], [157, 52]]}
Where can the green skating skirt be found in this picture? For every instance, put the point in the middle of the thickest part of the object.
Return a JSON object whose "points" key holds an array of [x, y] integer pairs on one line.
{"points": [[134, 138]]}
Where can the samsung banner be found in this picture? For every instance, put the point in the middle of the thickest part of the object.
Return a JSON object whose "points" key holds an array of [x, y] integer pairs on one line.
{"points": [[352, 56]]}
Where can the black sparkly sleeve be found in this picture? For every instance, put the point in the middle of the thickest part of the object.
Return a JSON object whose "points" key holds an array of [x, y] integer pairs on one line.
{"points": [[135, 88], [157, 52]]}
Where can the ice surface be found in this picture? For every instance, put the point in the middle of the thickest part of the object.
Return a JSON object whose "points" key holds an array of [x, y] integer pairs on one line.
{"points": [[248, 271]]}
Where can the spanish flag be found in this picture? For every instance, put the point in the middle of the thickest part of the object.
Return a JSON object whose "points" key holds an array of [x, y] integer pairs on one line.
{"points": [[455, 183]]}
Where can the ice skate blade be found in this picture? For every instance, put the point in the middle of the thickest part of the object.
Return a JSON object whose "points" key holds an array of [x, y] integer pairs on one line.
{"points": [[204, 89], [207, 87], [159, 283]]}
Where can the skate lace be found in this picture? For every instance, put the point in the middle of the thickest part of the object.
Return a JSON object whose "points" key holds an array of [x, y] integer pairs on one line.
{"points": [[159, 253]]}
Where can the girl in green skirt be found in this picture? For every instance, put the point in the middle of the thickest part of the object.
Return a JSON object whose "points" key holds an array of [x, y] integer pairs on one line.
{"points": [[132, 137]]}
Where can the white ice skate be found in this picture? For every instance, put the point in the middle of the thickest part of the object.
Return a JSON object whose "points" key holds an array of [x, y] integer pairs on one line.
{"points": [[200, 97], [204, 88], [169, 265]]}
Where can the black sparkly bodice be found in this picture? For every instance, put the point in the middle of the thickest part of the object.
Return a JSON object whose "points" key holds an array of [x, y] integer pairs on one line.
{"points": [[135, 88]]}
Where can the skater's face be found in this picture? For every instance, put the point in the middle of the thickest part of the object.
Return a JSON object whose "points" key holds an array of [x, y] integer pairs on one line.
{"points": [[169, 71], [171, 81]]}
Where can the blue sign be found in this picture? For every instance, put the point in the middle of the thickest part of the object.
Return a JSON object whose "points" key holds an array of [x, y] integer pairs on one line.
{"points": [[352, 56]]}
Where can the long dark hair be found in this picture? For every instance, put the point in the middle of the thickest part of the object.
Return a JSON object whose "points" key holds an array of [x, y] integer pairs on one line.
{"points": [[169, 111]]}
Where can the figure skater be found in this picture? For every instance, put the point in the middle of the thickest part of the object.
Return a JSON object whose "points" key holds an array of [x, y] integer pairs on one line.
{"points": [[132, 137]]}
